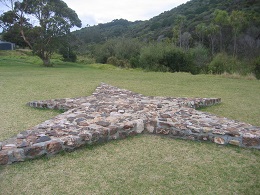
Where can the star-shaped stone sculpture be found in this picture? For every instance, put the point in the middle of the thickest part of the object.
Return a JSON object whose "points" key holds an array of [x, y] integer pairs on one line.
{"points": [[111, 113]]}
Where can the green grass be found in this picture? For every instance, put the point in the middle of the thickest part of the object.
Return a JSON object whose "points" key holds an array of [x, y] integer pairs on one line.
{"points": [[140, 165]]}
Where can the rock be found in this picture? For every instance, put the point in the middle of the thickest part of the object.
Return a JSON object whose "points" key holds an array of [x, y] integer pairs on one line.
{"points": [[83, 123], [139, 126], [21, 144], [115, 114], [219, 132], [121, 111], [165, 124], [207, 129], [3, 157], [8, 146], [113, 130], [52, 133], [79, 120], [128, 125], [162, 131], [150, 128], [43, 139], [21, 136], [159, 105], [165, 116], [251, 141], [54, 147], [72, 141], [18, 155], [31, 139], [95, 136], [219, 140], [103, 123], [34, 151], [234, 142]]}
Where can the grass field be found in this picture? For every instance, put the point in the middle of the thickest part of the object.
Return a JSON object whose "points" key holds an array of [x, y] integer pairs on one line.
{"points": [[140, 165]]}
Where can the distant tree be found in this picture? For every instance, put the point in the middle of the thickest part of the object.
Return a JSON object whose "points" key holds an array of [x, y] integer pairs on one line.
{"points": [[237, 21], [179, 23], [201, 30], [221, 18], [186, 39], [53, 20], [212, 31], [13, 35]]}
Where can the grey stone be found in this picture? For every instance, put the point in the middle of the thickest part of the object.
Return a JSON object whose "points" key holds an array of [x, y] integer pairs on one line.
{"points": [[103, 123], [139, 126], [43, 139]]}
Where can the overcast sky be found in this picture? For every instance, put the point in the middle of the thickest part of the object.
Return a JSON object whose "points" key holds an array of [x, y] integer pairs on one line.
{"points": [[101, 11], [93, 12]]}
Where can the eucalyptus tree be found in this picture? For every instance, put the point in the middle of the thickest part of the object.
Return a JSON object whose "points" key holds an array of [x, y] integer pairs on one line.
{"points": [[48, 21], [201, 30], [177, 30], [221, 18], [237, 21], [212, 31]]}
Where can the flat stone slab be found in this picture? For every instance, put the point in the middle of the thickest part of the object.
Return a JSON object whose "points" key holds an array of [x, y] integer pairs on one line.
{"points": [[111, 113]]}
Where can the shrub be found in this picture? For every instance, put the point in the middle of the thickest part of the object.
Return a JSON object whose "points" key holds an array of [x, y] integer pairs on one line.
{"points": [[150, 57], [112, 60], [200, 57], [84, 59], [257, 68], [224, 63], [176, 60], [116, 62], [68, 55], [122, 48], [165, 57]]}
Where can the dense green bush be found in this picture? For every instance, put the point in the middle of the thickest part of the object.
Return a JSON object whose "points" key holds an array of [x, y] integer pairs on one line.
{"points": [[200, 57], [150, 57], [223, 62], [68, 54], [122, 48], [165, 57], [103, 51]]}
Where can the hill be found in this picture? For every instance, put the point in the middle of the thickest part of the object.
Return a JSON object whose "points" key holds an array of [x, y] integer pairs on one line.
{"points": [[195, 11]]}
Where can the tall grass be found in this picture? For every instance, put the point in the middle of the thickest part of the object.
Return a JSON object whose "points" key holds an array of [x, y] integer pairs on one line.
{"points": [[140, 165]]}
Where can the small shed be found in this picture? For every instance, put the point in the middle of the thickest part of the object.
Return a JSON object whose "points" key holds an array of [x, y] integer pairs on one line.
{"points": [[6, 45]]}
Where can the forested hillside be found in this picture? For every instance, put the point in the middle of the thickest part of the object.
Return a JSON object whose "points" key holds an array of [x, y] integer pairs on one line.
{"points": [[195, 11]]}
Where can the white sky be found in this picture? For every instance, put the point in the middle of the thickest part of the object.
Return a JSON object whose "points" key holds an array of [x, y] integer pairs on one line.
{"points": [[101, 11]]}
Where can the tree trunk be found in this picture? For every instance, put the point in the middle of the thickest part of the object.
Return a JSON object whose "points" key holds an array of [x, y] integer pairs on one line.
{"points": [[45, 59], [235, 45], [47, 62]]}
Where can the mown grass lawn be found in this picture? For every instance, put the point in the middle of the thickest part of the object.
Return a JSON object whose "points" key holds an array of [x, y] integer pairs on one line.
{"points": [[140, 165]]}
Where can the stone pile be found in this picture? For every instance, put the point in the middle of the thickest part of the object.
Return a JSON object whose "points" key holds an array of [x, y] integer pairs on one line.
{"points": [[111, 113]]}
